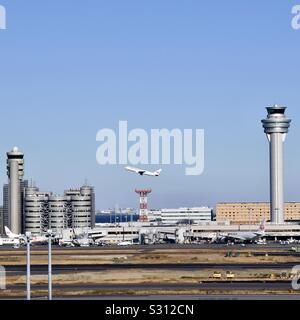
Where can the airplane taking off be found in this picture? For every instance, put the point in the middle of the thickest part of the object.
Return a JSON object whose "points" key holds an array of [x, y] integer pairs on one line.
{"points": [[244, 235], [144, 172]]}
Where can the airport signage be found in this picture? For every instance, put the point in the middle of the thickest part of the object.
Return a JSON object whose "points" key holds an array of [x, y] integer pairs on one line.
{"points": [[296, 278], [2, 278]]}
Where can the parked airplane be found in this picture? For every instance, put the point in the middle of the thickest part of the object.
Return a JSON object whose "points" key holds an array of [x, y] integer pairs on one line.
{"points": [[244, 235], [83, 242], [124, 244], [11, 235], [34, 240], [144, 172], [10, 242], [39, 240], [66, 243]]}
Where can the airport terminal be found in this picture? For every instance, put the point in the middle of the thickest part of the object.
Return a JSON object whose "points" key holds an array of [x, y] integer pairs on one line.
{"points": [[234, 249], [72, 217]]}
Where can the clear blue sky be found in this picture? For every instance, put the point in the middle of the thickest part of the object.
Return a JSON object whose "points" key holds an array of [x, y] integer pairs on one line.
{"points": [[69, 68]]}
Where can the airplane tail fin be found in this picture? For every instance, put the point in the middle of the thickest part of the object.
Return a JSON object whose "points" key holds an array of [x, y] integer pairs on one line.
{"points": [[263, 226], [8, 232], [158, 172]]}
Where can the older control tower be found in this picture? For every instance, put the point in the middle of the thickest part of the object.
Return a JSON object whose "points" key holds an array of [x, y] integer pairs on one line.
{"points": [[276, 127], [15, 172]]}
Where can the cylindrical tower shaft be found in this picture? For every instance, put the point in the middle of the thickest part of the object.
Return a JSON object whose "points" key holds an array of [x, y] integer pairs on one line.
{"points": [[276, 127], [15, 199], [15, 172], [276, 173]]}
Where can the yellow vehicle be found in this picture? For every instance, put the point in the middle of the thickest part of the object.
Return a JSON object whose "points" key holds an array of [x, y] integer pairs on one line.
{"points": [[230, 275], [217, 275]]}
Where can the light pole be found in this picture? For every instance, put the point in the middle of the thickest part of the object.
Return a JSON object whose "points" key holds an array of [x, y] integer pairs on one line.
{"points": [[49, 232], [28, 238], [190, 227]]}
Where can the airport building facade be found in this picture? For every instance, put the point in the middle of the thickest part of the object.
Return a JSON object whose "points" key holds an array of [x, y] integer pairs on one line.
{"points": [[194, 215], [43, 210], [25, 208], [1, 221], [253, 212]]}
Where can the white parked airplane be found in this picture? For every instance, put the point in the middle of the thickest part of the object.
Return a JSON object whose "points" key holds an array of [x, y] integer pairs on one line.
{"points": [[144, 172], [11, 235], [125, 244], [83, 241], [34, 240], [245, 235], [39, 240], [10, 242], [66, 243]]}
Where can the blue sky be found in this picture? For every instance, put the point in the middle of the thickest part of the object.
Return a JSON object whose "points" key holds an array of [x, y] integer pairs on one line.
{"points": [[69, 68]]}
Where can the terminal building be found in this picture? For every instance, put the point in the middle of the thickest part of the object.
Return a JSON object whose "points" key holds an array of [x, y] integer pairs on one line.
{"points": [[82, 206], [253, 212], [193, 215], [43, 210], [154, 233], [25, 208], [36, 210]]}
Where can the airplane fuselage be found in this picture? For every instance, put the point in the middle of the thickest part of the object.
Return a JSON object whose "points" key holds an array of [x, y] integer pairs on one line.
{"points": [[142, 172], [243, 236]]}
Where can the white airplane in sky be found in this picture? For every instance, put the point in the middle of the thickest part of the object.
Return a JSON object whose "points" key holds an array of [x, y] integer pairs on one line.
{"points": [[144, 172]]}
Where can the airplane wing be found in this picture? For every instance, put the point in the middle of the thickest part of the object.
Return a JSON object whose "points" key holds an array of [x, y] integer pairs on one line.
{"points": [[136, 170], [235, 237], [261, 234]]}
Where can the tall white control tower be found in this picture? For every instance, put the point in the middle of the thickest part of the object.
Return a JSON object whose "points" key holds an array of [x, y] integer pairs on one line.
{"points": [[15, 172], [276, 127]]}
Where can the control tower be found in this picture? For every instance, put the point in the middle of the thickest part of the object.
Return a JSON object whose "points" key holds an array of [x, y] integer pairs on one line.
{"points": [[276, 127], [143, 216], [15, 172]]}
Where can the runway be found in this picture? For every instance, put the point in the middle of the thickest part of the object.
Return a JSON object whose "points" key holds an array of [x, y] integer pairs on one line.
{"points": [[269, 246], [137, 263], [152, 298], [255, 285], [60, 269]]}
